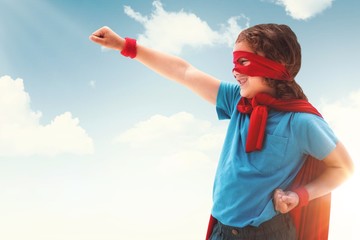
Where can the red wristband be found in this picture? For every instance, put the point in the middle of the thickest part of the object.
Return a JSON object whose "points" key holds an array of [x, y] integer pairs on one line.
{"points": [[129, 49], [303, 196]]}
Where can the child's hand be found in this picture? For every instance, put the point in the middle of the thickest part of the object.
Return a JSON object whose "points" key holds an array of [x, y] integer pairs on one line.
{"points": [[285, 201], [107, 38]]}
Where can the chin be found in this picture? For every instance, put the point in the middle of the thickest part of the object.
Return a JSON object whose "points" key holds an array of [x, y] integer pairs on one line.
{"points": [[245, 94]]}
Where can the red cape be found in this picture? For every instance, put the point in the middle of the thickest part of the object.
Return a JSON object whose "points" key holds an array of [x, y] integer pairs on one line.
{"points": [[312, 222]]}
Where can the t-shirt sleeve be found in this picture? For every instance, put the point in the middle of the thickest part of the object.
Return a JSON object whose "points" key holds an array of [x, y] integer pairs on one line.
{"points": [[227, 99], [316, 137]]}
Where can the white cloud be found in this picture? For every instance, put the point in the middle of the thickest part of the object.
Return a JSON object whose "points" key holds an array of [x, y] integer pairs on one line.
{"points": [[304, 9], [344, 116], [179, 142], [167, 160], [21, 134], [171, 31]]}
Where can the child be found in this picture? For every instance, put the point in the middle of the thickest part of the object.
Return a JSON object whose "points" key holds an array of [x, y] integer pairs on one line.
{"points": [[272, 131]]}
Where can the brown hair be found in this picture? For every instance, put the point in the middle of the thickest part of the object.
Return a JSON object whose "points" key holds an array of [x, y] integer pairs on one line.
{"points": [[278, 43]]}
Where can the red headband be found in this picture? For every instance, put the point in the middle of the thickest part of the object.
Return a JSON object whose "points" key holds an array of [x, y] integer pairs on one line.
{"points": [[260, 66]]}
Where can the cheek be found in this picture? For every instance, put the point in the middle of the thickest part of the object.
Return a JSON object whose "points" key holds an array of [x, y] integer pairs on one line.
{"points": [[257, 82]]}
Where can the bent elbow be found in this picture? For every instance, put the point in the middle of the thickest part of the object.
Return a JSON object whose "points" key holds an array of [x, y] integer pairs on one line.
{"points": [[351, 169]]}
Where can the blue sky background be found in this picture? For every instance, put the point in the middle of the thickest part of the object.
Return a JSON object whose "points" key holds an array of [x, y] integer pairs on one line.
{"points": [[95, 146]]}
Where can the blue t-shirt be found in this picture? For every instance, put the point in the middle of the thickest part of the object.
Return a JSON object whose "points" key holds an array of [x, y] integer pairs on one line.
{"points": [[245, 182]]}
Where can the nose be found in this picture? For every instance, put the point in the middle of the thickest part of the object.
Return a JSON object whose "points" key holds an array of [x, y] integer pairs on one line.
{"points": [[237, 74]]}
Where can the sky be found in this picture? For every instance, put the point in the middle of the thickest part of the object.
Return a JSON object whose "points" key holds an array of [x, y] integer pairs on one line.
{"points": [[94, 146]]}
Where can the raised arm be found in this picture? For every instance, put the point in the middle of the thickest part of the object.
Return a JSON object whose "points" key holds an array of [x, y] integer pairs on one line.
{"points": [[171, 67]]}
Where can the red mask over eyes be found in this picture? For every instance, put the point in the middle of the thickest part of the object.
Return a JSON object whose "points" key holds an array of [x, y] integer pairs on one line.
{"points": [[260, 66]]}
